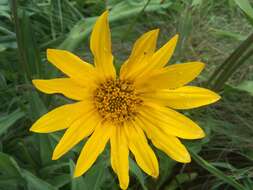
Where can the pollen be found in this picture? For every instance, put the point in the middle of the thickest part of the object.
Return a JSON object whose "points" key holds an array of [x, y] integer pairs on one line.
{"points": [[116, 100]]}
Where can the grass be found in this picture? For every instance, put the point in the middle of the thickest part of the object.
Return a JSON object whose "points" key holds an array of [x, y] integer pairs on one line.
{"points": [[210, 31]]}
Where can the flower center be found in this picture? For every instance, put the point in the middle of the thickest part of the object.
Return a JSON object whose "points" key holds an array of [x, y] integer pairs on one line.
{"points": [[116, 100]]}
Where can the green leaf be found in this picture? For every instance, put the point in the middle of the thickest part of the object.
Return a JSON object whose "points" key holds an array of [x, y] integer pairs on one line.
{"points": [[184, 29], [166, 165], [28, 51], [246, 7], [59, 181], [138, 173], [236, 59], [9, 166], [246, 86], [37, 106], [8, 183], [48, 170], [46, 148], [35, 183], [46, 143], [216, 172], [7, 121], [228, 34], [76, 183], [92, 179]]}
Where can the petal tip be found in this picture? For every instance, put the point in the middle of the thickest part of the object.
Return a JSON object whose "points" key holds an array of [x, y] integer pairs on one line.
{"points": [[199, 66], [214, 97], [32, 129], [105, 14], [156, 31], [77, 173], [50, 51], [217, 97], [123, 186], [175, 37], [55, 155], [155, 175], [35, 82], [202, 65], [202, 134], [187, 159], [35, 128], [39, 84], [199, 133]]}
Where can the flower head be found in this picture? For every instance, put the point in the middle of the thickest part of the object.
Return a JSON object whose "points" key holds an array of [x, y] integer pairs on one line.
{"points": [[127, 109]]}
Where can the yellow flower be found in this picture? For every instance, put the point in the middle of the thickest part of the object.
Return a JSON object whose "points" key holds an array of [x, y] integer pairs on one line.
{"points": [[124, 109]]}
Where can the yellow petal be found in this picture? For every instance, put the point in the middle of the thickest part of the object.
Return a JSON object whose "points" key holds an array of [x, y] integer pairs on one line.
{"points": [[142, 51], [171, 122], [59, 118], [144, 155], [186, 97], [173, 76], [119, 156], [100, 44], [77, 131], [65, 86], [93, 148], [172, 147], [167, 143], [70, 64], [162, 56]]}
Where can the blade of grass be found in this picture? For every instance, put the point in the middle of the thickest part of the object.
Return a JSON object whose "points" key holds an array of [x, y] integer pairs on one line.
{"points": [[220, 82], [246, 7], [184, 29], [9, 166], [228, 34], [216, 172], [27, 46], [24, 67], [33, 182], [230, 61], [6, 31], [9, 120]]}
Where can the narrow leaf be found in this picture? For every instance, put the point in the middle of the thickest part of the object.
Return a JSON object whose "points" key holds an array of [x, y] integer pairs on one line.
{"points": [[35, 183], [7, 121], [246, 7], [216, 172], [9, 166]]}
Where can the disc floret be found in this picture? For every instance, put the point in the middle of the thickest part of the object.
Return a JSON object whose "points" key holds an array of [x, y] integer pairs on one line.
{"points": [[116, 100]]}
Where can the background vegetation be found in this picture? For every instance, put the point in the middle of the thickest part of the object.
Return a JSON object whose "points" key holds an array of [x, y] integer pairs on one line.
{"points": [[217, 32]]}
